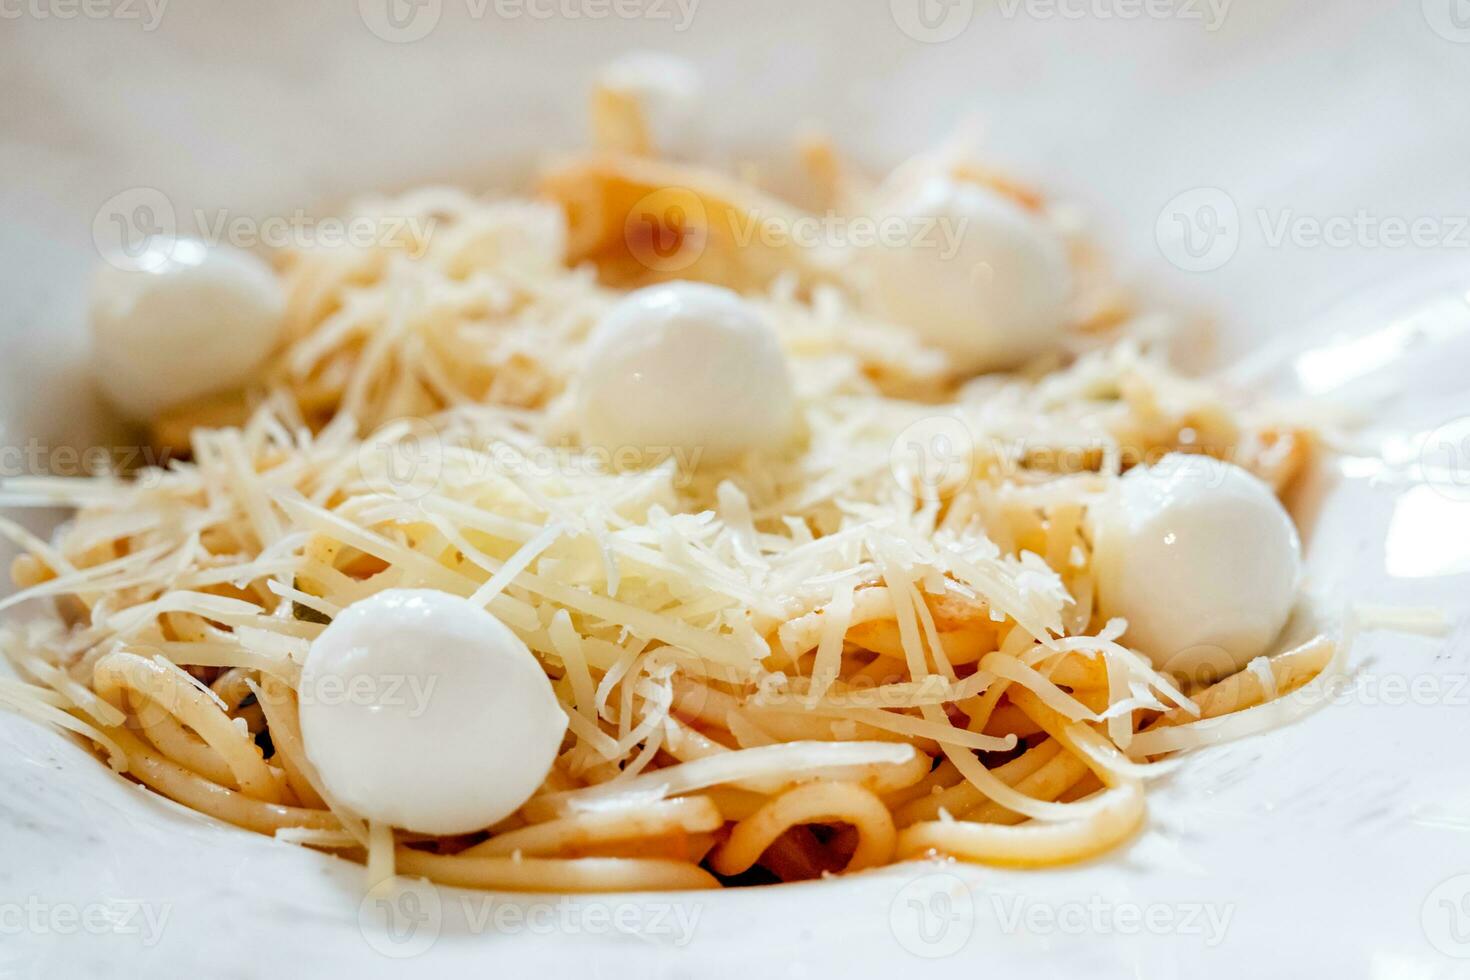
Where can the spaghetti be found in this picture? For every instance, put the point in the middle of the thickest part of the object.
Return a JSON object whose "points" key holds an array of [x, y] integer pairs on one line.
{"points": [[818, 660]]}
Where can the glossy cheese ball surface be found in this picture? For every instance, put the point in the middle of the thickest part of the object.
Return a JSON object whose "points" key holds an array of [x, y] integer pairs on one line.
{"points": [[425, 712], [1201, 559], [688, 367], [974, 273], [180, 321]]}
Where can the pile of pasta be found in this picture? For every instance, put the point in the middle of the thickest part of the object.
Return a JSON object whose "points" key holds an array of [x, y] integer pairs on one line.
{"points": [[823, 660]]}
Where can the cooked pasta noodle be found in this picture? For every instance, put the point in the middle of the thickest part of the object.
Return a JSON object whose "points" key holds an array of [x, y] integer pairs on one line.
{"points": [[812, 803]]}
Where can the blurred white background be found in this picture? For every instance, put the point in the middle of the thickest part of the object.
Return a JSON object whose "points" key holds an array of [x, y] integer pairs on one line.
{"points": [[1309, 117], [1303, 113]]}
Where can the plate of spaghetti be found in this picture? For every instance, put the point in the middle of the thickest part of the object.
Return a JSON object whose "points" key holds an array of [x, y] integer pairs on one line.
{"points": [[659, 530]]}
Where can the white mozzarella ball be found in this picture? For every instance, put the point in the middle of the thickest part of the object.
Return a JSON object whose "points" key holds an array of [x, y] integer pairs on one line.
{"points": [[425, 712], [973, 273], [180, 321], [687, 367], [1201, 559]]}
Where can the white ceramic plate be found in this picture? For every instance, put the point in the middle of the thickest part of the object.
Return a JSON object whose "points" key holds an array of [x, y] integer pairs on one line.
{"points": [[1318, 135]]}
